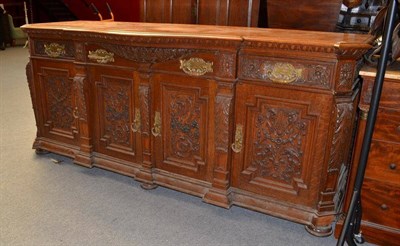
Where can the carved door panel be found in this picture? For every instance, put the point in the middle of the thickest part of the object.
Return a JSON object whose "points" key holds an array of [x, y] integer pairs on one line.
{"points": [[181, 125], [279, 142], [58, 99], [117, 122]]}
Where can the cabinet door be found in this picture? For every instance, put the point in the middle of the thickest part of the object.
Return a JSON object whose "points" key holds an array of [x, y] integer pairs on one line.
{"points": [[280, 142], [55, 84], [115, 111], [182, 125]]}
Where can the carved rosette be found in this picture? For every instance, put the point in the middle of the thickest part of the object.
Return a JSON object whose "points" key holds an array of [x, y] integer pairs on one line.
{"points": [[80, 99], [278, 143], [185, 127], [226, 65], [117, 122], [222, 111], [144, 108], [346, 76]]}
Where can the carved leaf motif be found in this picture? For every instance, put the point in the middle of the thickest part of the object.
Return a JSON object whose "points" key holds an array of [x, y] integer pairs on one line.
{"points": [[81, 104], [116, 100], [144, 108], [278, 144], [60, 101], [222, 109], [342, 135], [184, 125]]}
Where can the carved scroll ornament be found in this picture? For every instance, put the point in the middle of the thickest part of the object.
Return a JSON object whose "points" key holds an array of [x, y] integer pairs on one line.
{"points": [[196, 66]]}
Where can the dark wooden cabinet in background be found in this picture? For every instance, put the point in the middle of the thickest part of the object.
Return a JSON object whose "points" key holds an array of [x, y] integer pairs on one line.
{"points": [[218, 12], [380, 195], [238, 116]]}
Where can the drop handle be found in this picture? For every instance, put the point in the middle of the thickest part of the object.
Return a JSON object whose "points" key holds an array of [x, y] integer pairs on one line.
{"points": [[238, 144], [136, 122], [156, 129], [75, 113], [392, 166]]}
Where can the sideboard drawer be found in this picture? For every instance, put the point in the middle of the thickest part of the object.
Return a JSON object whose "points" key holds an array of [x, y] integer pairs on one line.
{"points": [[383, 200], [286, 71], [384, 162], [387, 125], [54, 49], [390, 97]]}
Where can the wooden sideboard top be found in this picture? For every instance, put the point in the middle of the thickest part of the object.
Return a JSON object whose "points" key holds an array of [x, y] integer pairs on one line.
{"points": [[322, 39], [392, 72]]}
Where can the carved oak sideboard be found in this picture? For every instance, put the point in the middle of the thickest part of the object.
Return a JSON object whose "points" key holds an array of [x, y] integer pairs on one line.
{"points": [[259, 118]]}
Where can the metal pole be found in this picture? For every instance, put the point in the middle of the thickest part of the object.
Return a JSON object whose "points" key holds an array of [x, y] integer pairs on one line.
{"points": [[348, 226]]}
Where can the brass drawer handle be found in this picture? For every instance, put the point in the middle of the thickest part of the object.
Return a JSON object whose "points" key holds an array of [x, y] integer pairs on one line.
{"points": [[136, 122], [156, 129], [196, 66], [54, 49], [392, 166], [384, 207], [101, 56], [284, 73], [238, 144], [75, 113]]}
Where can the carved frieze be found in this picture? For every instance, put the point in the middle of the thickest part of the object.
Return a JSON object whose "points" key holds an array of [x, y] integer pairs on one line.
{"points": [[278, 143], [222, 111], [147, 54]]}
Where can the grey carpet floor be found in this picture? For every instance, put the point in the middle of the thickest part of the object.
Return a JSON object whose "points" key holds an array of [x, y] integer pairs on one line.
{"points": [[42, 203]]}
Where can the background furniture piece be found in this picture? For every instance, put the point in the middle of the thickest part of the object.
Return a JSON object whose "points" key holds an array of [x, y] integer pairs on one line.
{"points": [[17, 35], [381, 188], [218, 12], [257, 118], [317, 15]]}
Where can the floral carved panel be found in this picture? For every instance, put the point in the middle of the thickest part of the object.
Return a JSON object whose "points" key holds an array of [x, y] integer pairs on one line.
{"points": [[185, 127], [277, 139], [59, 99], [116, 98]]}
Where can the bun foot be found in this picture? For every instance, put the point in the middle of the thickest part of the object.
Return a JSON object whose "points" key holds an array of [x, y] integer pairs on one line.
{"points": [[320, 231], [41, 151], [146, 186]]}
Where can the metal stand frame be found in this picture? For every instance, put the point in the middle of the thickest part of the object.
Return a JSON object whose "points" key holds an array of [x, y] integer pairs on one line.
{"points": [[351, 227]]}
